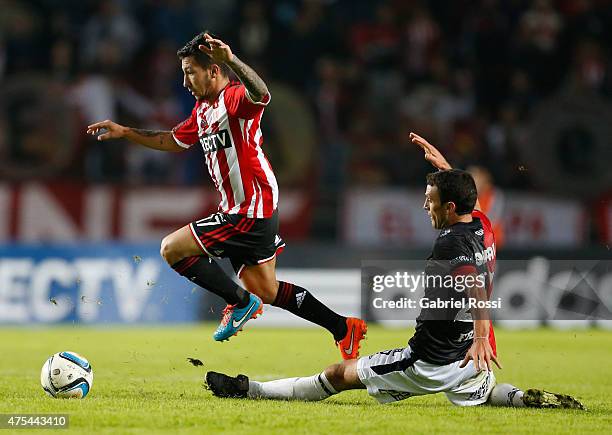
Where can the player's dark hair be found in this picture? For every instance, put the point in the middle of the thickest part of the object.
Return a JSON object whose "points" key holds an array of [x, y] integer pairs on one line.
{"points": [[191, 49], [455, 186]]}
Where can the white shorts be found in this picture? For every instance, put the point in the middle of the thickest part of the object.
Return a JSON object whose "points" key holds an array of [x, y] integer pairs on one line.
{"points": [[396, 374]]}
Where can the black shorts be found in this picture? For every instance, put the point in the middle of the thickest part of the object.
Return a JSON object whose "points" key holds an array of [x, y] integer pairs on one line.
{"points": [[245, 241]]}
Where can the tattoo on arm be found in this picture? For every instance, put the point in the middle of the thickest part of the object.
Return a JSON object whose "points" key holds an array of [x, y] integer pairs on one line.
{"points": [[157, 139], [148, 133], [254, 84], [151, 133]]}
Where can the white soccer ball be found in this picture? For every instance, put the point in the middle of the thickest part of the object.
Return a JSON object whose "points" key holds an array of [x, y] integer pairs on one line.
{"points": [[67, 375]]}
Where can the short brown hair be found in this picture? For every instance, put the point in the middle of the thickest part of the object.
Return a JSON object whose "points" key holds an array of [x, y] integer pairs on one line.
{"points": [[455, 185], [191, 49]]}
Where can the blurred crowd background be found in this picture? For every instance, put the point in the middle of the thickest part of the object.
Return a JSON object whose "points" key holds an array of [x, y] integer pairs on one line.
{"points": [[519, 88]]}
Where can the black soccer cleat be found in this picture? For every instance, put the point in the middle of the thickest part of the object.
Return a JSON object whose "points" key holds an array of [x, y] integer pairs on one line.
{"points": [[534, 398], [227, 386]]}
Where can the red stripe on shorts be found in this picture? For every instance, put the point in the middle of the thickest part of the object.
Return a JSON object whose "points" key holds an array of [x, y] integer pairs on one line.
{"points": [[220, 236]]}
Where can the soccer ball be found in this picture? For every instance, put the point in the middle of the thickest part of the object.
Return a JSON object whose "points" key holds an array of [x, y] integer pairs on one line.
{"points": [[67, 375]]}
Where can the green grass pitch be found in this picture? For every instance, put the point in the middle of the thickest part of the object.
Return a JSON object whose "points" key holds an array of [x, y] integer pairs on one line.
{"points": [[144, 384]]}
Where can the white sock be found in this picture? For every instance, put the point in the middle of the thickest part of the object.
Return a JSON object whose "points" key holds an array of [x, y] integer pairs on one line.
{"points": [[506, 395], [315, 387]]}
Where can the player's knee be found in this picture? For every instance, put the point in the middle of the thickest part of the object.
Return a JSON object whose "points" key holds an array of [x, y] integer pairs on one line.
{"points": [[169, 252], [343, 376], [335, 374]]}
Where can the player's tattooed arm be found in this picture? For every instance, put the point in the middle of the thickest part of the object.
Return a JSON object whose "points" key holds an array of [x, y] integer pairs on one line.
{"points": [[219, 51], [251, 80], [158, 140], [148, 133]]}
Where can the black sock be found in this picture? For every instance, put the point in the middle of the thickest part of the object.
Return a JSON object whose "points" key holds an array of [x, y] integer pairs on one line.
{"points": [[302, 303], [205, 272]]}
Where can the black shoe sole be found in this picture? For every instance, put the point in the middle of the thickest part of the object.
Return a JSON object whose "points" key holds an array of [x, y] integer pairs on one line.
{"points": [[225, 386]]}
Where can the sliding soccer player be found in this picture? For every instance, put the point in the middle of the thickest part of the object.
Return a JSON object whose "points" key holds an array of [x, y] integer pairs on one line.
{"points": [[437, 358]]}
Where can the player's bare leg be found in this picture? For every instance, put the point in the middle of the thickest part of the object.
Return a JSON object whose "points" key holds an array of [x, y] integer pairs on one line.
{"points": [[179, 245], [184, 255], [261, 280], [332, 380], [509, 395]]}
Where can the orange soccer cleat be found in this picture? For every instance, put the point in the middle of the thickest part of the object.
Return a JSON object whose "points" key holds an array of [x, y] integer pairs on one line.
{"points": [[355, 332]]}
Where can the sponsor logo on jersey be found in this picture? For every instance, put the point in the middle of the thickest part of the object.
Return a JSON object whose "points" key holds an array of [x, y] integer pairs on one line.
{"points": [[479, 232], [461, 259], [485, 256], [466, 336], [216, 141]]}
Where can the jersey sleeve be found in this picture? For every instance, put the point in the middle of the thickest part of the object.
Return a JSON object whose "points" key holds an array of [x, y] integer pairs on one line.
{"points": [[239, 102], [186, 133], [454, 250], [486, 223]]}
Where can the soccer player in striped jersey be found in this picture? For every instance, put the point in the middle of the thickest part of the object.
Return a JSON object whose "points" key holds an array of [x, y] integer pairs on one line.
{"points": [[437, 357], [226, 122]]}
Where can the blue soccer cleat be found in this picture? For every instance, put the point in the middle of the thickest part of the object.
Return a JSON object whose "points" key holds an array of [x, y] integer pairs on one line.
{"points": [[234, 318]]}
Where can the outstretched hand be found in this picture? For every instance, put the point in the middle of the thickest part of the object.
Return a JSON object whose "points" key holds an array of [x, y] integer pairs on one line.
{"points": [[482, 354], [432, 155], [219, 51], [113, 130]]}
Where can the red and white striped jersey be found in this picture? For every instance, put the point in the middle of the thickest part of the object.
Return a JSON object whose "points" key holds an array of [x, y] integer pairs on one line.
{"points": [[230, 134]]}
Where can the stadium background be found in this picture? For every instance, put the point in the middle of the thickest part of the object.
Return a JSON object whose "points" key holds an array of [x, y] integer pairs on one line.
{"points": [[520, 89]]}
